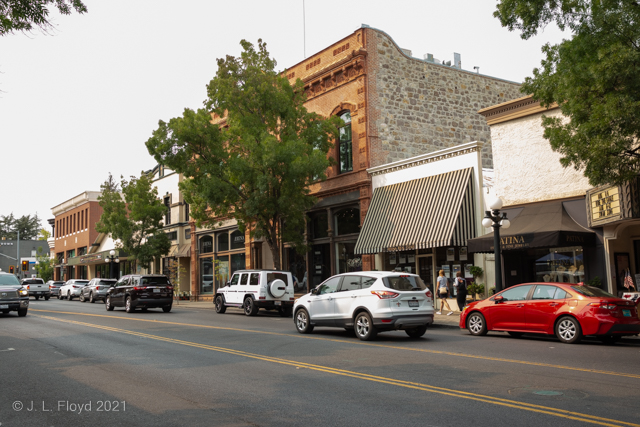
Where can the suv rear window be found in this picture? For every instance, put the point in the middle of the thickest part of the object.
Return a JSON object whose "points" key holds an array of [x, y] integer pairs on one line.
{"points": [[34, 281], [154, 281], [273, 276], [404, 283]]}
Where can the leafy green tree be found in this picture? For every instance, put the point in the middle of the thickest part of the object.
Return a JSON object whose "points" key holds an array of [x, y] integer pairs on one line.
{"points": [[594, 77], [25, 15], [28, 226], [44, 234], [44, 265], [255, 164], [134, 218]]}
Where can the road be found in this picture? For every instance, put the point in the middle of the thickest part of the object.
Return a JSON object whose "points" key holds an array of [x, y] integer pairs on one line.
{"points": [[69, 364]]}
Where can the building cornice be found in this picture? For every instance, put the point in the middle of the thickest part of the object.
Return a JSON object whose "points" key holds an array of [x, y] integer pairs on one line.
{"points": [[514, 109], [86, 197]]}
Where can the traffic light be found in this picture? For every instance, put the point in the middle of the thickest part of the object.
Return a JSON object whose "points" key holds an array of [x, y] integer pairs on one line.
{"points": [[25, 265], [11, 269]]}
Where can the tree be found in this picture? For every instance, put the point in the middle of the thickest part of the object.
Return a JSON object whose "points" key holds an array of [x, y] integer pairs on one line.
{"points": [[255, 164], [28, 226], [24, 15], [44, 265], [44, 234], [134, 218], [594, 77]]}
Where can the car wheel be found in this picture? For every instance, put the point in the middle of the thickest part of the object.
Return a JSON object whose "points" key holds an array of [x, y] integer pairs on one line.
{"points": [[59, 296], [107, 304], [81, 298], [516, 334], [69, 297], [286, 311], [416, 332], [303, 323], [47, 298], [128, 306], [476, 324], [22, 313], [568, 330], [250, 307], [37, 297], [166, 308], [91, 298], [219, 303], [364, 327]]}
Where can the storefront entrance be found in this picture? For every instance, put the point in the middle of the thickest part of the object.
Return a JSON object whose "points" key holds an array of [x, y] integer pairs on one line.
{"points": [[425, 270]]}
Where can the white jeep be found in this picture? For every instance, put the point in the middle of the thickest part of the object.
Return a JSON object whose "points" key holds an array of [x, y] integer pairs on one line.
{"points": [[252, 290]]}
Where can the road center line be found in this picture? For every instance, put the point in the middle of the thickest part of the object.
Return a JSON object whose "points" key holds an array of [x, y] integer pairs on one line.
{"points": [[444, 353], [399, 383]]}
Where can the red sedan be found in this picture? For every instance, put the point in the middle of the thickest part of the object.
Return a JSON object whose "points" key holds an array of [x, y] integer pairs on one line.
{"points": [[566, 310]]}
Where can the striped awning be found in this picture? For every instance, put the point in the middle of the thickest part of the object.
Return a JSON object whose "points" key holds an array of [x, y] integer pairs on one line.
{"points": [[423, 213]]}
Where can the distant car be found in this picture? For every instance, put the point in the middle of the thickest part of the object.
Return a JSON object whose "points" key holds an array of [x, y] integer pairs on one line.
{"points": [[367, 302], [565, 310], [140, 291], [13, 297], [96, 289], [71, 289], [54, 286], [37, 288]]}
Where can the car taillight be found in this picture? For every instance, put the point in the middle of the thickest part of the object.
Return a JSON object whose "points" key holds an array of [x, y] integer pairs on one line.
{"points": [[385, 294], [169, 288], [604, 305], [428, 294], [139, 288], [26, 287]]}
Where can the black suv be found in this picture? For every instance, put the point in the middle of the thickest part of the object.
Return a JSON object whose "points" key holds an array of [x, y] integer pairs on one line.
{"points": [[140, 291]]}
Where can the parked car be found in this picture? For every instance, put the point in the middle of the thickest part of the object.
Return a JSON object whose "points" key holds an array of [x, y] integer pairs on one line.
{"points": [[36, 287], [140, 291], [71, 289], [252, 290], [567, 311], [96, 289], [367, 302], [13, 297], [54, 287]]}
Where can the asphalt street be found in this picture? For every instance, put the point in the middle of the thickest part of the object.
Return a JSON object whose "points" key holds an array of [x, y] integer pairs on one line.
{"points": [[69, 364]]}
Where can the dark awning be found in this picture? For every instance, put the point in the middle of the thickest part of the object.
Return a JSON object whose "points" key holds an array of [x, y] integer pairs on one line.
{"points": [[423, 213], [537, 226]]}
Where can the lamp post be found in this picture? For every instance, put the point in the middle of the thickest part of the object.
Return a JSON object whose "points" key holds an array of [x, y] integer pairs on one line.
{"points": [[493, 218], [112, 260]]}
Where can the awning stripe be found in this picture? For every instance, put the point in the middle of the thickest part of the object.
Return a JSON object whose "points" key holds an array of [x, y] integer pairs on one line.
{"points": [[422, 213]]}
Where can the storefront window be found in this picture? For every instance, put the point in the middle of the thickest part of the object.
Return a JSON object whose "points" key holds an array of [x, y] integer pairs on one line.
{"points": [[319, 225], [237, 240], [206, 244], [400, 261], [347, 221], [222, 275], [223, 241], [237, 262], [347, 261], [206, 275], [563, 265]]}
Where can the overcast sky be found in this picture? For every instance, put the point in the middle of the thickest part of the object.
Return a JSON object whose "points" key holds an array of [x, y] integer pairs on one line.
{"points": [[81, 101]]}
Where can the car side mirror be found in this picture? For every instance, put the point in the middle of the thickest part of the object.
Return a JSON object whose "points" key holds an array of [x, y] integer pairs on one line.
{"points": [[314, 291], [498, 299]]}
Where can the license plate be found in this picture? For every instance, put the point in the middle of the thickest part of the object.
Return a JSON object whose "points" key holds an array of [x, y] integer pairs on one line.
{"points": [[626, 313], [277, 303], [4, 306], [156, 290], [414, 303]]}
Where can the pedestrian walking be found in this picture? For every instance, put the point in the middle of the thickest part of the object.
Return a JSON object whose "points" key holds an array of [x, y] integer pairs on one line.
{"points": [[443, 293], [461, 290]]}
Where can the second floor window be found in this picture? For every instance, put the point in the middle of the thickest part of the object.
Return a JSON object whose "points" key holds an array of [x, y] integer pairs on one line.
{"points": [[345, 162], [167, 215]]}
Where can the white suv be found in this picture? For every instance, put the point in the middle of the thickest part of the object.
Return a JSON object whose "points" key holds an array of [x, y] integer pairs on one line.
{"points": [[255, 289], [367, 302]]}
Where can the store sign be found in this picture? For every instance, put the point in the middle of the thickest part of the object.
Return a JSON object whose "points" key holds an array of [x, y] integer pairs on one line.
{"points": [[604, 205], [519, 241], [90, 258]]}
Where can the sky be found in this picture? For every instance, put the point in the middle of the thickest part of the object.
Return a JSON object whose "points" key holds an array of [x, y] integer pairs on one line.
{"points": [[80, 102]]}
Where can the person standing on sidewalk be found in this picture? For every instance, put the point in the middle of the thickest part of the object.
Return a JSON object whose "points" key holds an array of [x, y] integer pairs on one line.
{"points": [[461, 290], [443, 292]]}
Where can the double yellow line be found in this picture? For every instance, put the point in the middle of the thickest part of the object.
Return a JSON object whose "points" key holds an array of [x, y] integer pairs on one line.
{"points": [[399, 383]]}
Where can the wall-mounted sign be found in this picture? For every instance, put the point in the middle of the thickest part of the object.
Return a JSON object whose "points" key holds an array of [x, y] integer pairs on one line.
{"points": [[604, 205]]}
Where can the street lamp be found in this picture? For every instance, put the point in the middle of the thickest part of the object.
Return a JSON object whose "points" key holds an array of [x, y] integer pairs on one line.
{"points": [[112, 260], [494, 219]]}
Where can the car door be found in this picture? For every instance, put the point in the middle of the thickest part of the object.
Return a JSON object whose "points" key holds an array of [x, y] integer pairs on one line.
{"points": [[243, 287], [231, 290], [345, 298], [322, 304], [541, 310], [508, 314], [118, 293]]}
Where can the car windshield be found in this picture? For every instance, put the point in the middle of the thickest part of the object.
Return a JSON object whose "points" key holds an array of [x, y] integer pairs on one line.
{"points": [[107, 282], [154, 281], [404, 282], [590, 291], [9, 280]]}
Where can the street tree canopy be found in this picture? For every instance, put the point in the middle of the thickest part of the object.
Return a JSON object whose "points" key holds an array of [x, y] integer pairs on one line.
{"points": [[594, 77], [25, 15], [256, 161], [135, 222], [28, 226]]}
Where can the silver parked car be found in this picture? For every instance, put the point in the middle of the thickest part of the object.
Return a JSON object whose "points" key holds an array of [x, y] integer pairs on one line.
{"points": [[54, 286], [96, 289], [71, 289]]}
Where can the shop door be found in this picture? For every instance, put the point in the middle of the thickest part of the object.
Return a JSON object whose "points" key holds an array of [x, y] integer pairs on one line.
{"points": [[425, 270], [320, 263]]}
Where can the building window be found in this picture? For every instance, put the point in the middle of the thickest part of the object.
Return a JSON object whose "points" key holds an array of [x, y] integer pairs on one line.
{"points": [[223, 241], [345, 153], [237, 240], [206, 244], [186, 212], [187, 233], [319, 225], [172, 235], [167, 215], [347, 221]]}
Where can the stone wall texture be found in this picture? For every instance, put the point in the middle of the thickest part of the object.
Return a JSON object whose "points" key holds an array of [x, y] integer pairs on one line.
{"points": [[526, 168], [416, 107]]}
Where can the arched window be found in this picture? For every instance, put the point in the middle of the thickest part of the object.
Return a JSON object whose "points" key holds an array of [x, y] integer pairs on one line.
{"points": [[345, 153], [206, 244], [347, 221]]}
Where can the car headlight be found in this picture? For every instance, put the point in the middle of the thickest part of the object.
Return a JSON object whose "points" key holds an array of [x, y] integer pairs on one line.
{"points": [[24, 292]]}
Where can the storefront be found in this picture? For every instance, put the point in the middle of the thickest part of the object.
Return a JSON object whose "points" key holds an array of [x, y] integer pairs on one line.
{"points": [[220, 254]]}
